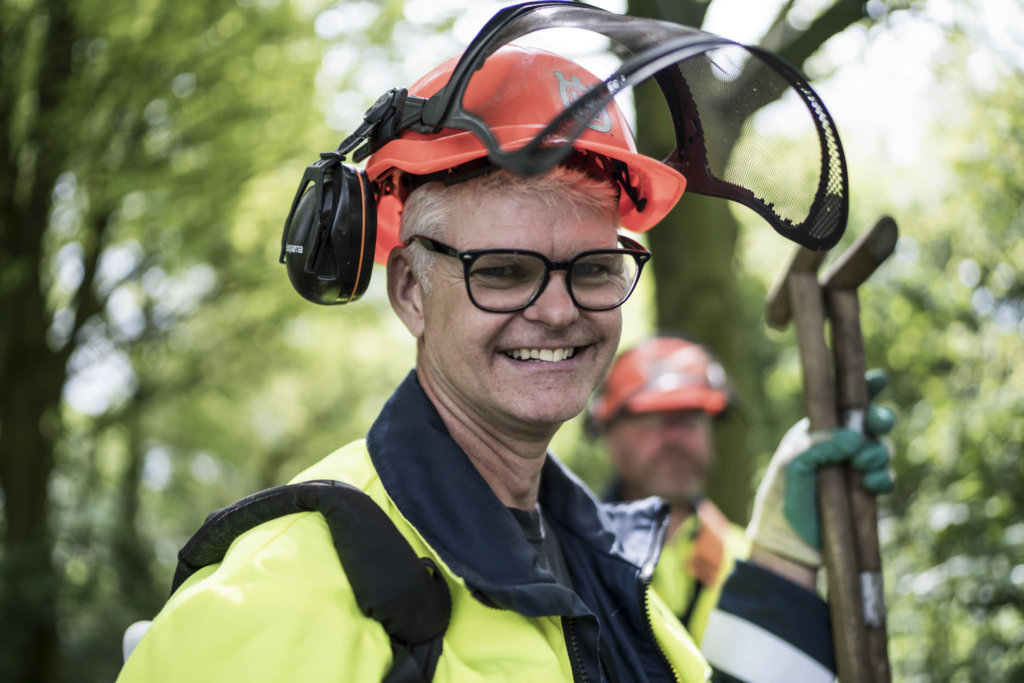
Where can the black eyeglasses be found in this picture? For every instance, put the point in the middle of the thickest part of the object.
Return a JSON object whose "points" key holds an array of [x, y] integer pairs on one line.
{"points": [[509, 280]]}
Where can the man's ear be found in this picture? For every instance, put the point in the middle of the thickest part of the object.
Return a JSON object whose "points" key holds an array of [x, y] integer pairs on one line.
{"points": [[404, 292]]}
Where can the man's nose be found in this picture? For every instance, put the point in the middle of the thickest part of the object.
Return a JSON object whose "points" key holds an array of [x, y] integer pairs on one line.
{"points": [[554, 307], [685, 435]]}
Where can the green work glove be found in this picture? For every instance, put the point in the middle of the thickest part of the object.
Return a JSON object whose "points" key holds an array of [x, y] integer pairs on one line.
{"points": [[785, 519]]}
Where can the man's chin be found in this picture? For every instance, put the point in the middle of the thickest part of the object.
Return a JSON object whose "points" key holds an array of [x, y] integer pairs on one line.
{"points": [[679, 496], [544, 411]]}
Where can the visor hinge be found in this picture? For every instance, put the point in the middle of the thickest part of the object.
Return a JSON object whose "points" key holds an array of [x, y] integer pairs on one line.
{"points": [[395, 111]]}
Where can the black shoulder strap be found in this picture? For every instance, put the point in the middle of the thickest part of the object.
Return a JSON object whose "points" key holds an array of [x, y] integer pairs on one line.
{"points": [[406, 594]]}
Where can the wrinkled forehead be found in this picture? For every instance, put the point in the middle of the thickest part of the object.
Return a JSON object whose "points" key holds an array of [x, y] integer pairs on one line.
{"points": [[551, 222]]}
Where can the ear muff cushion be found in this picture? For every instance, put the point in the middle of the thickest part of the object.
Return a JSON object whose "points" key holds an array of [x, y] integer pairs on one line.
{"points": [[354, 233]]}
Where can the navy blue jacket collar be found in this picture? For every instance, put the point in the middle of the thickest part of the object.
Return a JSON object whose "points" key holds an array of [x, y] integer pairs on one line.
{"points": [[607, 547]]}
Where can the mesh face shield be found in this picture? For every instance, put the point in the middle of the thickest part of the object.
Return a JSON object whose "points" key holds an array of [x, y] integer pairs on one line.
{"points": [[733, 110]]}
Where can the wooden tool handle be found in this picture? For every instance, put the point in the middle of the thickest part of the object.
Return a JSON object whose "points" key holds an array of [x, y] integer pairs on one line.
{"points": [[863, 257], [852, 403], [838, 543], [778, 308], [840, 283]]}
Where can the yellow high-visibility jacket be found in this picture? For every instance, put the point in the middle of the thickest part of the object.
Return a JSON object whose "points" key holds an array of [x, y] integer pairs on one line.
{"points": [[695, 563], [279, 606]]}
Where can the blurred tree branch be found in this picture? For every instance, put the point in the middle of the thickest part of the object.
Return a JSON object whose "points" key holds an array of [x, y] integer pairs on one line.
{"points": [[797, 46]]}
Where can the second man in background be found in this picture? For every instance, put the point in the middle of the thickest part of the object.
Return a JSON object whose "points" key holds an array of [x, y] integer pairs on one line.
{"points": [[657, 410]]}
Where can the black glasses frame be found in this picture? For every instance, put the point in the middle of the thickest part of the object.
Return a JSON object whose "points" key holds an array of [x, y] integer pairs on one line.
{"points": [[633, 248]]}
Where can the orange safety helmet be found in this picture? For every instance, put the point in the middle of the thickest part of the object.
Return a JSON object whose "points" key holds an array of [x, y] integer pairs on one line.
{"points": [[517, 92], [659, 374]]}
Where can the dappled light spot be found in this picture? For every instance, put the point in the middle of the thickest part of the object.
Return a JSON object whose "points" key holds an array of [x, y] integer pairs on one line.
{"points": [[157, 468], [346, 18], [183, 85]]}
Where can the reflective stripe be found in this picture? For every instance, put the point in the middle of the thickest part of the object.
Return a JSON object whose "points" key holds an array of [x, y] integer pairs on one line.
{"points": [[739, 648]]}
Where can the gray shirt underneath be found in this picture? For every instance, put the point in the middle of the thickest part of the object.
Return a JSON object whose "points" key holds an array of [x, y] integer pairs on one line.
{"points": [[542, 538]]}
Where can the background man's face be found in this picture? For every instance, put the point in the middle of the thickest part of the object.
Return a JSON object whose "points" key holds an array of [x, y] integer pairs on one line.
{"points": [[665, 454], [465, 349]]}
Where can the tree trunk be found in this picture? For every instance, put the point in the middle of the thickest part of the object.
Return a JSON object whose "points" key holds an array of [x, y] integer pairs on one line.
{"points": [[31, 375], [31, 392], [697, 292]]}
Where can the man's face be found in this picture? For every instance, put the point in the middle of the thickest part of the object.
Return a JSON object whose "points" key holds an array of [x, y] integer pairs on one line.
{"points": [[665, 454], [465, 353]]}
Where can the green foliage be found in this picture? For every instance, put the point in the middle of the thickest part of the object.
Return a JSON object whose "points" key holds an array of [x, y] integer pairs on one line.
{"points": [[944, 317], [161, 163], [172, 109], [947, 322]]}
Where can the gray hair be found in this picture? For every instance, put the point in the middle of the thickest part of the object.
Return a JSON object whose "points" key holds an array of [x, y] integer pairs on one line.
{"points": [[428, 210]]}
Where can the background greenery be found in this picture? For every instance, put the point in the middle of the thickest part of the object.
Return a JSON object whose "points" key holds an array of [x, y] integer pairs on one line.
{"points": [[155, 364]]}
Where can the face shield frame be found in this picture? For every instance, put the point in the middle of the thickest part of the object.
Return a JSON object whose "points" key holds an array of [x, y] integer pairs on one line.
{"points": [[661, 51]]}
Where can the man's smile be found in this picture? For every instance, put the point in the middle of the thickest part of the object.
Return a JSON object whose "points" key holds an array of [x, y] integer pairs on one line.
{"points": [[542, 355]]}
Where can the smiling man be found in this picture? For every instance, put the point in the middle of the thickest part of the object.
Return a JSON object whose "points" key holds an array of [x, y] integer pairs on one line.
{"points": [[508, 345], [511, 287]]}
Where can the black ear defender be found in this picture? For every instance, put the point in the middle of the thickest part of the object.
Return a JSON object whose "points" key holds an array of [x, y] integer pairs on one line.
{"points": [[330, 234]]}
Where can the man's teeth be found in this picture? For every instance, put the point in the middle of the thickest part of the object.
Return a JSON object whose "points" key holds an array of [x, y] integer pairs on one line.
{"points": [[542, 354]]}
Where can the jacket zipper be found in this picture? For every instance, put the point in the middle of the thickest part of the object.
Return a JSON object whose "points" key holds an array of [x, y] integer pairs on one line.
{"points": [[572, 645], [579, 674], [644, 584]]}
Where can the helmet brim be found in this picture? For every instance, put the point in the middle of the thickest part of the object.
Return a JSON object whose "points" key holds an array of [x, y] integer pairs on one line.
{"points": [[685, 398], [660, 185]]}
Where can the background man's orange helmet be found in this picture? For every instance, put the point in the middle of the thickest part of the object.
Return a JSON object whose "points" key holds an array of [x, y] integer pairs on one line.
{"points": [[661, 374], [517, 92]]}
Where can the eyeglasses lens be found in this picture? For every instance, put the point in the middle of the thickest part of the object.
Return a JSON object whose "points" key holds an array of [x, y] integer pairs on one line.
{"points": [[506, 282], [602, 280]]}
